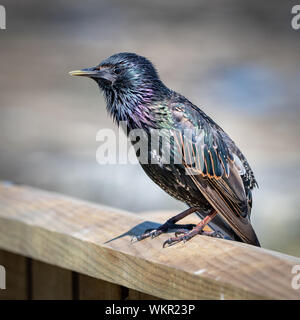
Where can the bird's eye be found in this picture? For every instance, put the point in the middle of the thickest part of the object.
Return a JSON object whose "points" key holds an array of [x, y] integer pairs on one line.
{"points": [[118, 71]]}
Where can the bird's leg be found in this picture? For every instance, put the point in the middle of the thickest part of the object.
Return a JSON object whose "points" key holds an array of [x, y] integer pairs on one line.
{"points": [[198, 229], [169, 224]]}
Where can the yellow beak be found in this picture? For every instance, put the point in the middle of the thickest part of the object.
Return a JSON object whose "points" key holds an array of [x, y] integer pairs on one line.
{"points": [[83, 72], [75, 73]]}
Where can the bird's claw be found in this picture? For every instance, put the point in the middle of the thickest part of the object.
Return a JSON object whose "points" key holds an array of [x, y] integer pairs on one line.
{"points": [[153, 233], [180, 231], [186, 233], [156, 233], [171, 241], [182, 235]]}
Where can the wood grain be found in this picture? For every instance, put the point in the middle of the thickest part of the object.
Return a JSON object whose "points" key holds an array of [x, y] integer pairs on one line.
{"points": [[95, 289], [95, 241], [50, 282]]}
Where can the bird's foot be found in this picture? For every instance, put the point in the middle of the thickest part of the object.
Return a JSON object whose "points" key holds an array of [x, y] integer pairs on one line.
{"points": [[153, 233], [214, 234], [182, 235]]}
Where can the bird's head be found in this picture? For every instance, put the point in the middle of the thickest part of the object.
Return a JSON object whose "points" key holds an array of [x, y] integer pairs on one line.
{"points": [[130, 83], [121, 71]]}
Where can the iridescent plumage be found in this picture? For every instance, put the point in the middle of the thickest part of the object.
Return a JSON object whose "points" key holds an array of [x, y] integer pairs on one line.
{"points": [[212, 175]]}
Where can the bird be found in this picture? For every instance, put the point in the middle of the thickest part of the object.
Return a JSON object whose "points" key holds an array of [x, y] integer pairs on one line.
{"points": [[199, 165]]}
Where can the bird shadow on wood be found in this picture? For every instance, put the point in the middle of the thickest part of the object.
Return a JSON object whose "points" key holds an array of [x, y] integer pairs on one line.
{"points": [[137, 230]]}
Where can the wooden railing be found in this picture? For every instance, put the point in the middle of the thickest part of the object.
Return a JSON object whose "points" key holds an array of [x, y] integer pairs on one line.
{"points": [[57, 247]]}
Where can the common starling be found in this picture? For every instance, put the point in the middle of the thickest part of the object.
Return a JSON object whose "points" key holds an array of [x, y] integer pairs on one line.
{"points": [[212, 175]]}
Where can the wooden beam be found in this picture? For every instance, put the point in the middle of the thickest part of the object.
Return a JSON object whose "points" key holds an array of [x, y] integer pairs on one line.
{"points": [[17, 276], [96, 289], [50, 282], [95, 240]]}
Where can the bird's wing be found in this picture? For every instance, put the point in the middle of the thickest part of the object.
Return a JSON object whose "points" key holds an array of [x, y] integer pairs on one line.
{"points": [[215, 169]]}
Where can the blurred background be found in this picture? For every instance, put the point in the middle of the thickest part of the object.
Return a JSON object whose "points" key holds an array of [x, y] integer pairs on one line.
{"points": [[237, 60]]}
